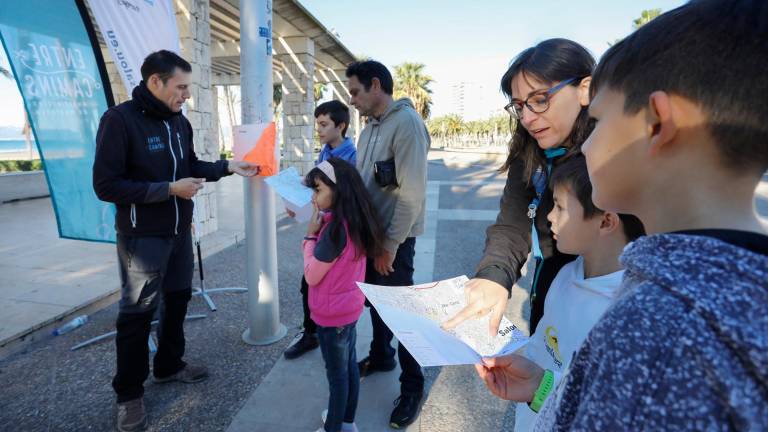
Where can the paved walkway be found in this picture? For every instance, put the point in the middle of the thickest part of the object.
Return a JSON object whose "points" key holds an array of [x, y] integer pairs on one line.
{"points": [[44, 280], [458, 209], [292, 395], [43, 277]]}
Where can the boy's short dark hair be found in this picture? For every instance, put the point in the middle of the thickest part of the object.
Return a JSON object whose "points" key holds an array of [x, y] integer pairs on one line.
{"points": [[573, 175], [337, 111], [712, 52], [163, 63], [367, 70]]}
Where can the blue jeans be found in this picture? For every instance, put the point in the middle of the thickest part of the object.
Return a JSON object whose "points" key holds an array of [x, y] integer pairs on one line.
{"points": [[338, 347]]}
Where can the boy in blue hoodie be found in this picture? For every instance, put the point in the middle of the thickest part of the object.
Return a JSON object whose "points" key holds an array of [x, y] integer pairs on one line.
{"points": [[681, 141]]}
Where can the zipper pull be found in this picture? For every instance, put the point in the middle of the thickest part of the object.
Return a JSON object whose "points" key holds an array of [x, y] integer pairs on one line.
{"points": [[178, 139]]}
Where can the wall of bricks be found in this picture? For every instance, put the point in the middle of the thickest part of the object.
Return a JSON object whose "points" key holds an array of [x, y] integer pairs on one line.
{"points": [[299, 105], [192, 19]]}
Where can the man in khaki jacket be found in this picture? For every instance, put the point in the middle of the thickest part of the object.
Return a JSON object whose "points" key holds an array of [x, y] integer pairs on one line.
{"points": [[392, 160]]}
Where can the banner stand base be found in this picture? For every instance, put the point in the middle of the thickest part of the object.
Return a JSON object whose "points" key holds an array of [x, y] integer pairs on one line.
{"points": [[151, 342], [202, 292]]}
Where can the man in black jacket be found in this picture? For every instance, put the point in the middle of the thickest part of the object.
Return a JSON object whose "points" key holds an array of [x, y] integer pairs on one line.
{"points": [[146, 165]]}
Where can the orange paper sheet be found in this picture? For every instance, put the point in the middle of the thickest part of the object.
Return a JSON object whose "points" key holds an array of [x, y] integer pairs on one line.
{"points": [[263, 153]]}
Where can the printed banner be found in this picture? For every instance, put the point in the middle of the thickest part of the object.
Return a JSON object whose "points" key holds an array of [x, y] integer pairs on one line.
{"points": [[132, 30], [54, 65]]}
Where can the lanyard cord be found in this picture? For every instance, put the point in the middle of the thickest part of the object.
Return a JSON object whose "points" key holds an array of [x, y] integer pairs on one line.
{"points": [[540, 180]]}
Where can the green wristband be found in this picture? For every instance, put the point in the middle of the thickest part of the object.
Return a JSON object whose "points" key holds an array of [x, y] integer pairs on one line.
{"points": [[545, 387]]}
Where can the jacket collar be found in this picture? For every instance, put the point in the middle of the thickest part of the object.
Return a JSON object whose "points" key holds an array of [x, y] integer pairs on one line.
{"points": [[151, 105]]}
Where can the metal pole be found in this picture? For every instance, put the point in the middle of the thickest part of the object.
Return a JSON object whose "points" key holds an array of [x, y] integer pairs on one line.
{"points": [[264, 325]]}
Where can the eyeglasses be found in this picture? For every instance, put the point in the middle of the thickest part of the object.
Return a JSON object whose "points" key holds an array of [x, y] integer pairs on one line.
{"points": [[537, 103]]}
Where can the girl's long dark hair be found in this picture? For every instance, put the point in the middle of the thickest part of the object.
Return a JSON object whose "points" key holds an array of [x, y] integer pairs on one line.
{"points": [[550, 61], [351, 203]]}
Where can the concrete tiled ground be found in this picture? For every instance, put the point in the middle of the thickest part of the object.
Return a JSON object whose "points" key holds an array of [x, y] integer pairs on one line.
{"points": [[45, 279], [49, 388]]}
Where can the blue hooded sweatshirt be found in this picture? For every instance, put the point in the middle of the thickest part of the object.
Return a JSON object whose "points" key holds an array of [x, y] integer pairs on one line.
{"points": [[346, 150]]}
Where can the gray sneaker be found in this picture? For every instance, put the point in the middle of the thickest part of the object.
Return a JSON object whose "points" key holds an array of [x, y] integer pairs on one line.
{"points": [[131, 416], [190, 374]]}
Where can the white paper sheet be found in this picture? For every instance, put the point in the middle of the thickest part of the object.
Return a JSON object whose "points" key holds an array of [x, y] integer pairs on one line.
{"points": [[288, 184], [303, 213], [414, 314]]}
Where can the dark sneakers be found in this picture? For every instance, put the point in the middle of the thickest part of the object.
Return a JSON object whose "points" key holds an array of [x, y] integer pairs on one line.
{"points": [[306, 343], [406, 410], [131, 416], [190, 374], [367, 368]]}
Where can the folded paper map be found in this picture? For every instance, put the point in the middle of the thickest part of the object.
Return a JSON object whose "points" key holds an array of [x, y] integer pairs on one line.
{"points": [[297, 197], [414, 314]]}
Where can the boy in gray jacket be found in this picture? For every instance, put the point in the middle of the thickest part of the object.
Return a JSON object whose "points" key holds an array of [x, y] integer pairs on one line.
{"points": [[392, 160]]}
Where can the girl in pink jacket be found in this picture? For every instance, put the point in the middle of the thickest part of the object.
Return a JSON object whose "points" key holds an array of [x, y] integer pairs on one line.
{"points": [[343, 231]]}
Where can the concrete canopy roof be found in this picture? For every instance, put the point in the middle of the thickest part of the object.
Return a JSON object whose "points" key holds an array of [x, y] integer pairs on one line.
{"points": [[290, 19]]}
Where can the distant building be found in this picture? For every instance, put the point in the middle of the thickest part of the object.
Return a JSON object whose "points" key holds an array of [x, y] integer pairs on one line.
{"points": [[473, 100]]}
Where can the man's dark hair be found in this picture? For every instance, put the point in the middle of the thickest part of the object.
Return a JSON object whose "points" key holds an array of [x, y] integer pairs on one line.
{"points": [[712, 52], [337, 111], [367, 70], [573, 174], [163, 63]]}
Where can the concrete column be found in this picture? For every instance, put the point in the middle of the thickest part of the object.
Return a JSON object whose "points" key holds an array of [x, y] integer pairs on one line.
{"points": [[216, 133], [193, 21], [298, 103], [115, 81]]}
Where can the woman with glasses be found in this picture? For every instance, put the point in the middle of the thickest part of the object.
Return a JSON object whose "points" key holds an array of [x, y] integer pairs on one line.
{"points": [[548, 88]]}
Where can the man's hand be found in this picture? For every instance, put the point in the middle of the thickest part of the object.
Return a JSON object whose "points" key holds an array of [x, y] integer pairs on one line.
{"points": [[186, 188], [483, 297], [383, 263], [243, 168], [511, 377]]}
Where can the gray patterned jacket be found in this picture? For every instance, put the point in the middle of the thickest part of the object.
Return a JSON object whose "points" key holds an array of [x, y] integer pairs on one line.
{"points": [[684, 348]]}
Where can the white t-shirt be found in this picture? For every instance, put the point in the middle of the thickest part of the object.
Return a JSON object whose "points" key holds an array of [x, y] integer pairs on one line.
{"points": [[572, 306]]}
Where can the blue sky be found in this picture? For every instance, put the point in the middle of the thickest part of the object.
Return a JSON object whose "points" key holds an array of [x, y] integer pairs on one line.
{"points": [[457, 41], [473, 40]]}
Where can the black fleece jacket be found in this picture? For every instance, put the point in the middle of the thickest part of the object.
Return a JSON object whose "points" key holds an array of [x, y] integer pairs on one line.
{"points": [[141, 147]]}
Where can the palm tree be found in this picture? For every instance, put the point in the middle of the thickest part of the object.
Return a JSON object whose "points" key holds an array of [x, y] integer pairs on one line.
{"points": [[319, 89], [453, 124], [411, 82], [645, 17]]}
